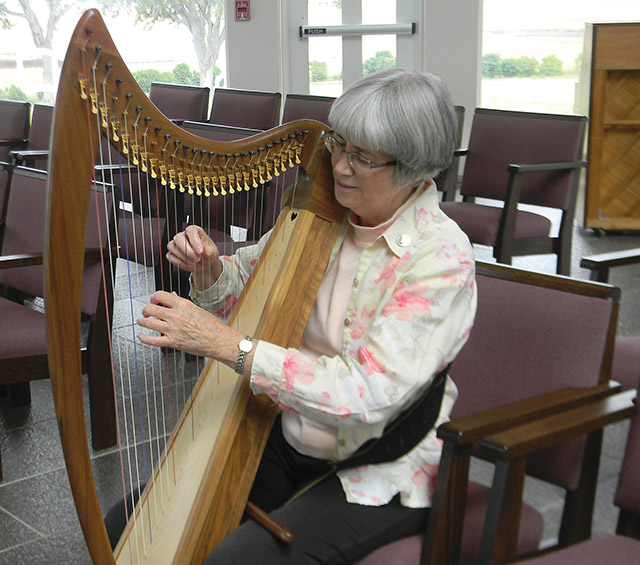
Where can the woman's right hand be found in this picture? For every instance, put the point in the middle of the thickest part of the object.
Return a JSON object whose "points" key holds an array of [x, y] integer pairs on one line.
{"points": [[193, 250]]}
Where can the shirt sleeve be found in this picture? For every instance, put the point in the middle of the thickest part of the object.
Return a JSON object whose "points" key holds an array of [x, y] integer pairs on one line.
{"points": [[222, 296]]}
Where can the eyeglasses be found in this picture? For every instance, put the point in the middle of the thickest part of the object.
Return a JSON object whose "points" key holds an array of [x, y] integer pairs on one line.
{"points": [[357, 161]]}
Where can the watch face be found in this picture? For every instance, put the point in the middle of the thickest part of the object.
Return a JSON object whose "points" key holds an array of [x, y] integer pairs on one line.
{"points": [[245, 345]]}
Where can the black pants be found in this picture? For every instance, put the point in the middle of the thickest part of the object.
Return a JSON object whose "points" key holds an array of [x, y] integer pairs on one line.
{"points": [[327, 529]]}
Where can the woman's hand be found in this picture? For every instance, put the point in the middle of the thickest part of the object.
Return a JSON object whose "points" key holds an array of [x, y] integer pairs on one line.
{"points": [[189, 328], [193, 250]]}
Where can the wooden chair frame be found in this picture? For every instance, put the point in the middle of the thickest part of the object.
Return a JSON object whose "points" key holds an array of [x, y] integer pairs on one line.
{"points": [[507, 246], [445, 524], [509, 448]]}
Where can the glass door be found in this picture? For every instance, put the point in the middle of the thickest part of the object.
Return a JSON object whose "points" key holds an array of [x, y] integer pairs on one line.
{"points": [[333, 43]]}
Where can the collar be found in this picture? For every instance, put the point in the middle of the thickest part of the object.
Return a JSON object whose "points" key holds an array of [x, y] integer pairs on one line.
{"points": [[406, 230]]}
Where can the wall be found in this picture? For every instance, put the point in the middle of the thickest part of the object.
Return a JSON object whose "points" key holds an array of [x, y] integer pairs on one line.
{"points": [[452, 48], [253, 47]]}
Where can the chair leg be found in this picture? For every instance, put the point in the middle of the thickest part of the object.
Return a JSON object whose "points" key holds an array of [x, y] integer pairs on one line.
{"points": [[102, 402], [19, 394], [563, 266], [579, 504], [499, 543]]}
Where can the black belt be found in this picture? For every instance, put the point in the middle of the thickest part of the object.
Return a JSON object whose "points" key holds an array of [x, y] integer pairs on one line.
{"points": [[405, 432]]}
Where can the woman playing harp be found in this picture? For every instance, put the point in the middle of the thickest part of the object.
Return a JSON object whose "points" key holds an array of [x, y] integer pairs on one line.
{"points": [[395, 306]]}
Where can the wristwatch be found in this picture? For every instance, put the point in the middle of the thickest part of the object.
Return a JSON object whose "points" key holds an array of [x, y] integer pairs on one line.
{"points": [[245, 345]]}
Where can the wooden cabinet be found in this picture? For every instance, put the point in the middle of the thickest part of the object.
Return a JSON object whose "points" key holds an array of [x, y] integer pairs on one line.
{"points": [[611, 68]]}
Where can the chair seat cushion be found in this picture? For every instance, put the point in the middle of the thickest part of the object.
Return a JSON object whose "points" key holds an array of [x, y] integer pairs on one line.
{"points": [[612, 549], [481, 223], [22, 330], [407, 551]]}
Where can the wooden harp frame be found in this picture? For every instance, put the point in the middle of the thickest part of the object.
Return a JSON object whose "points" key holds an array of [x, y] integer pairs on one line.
{"points": [[98, 97]]}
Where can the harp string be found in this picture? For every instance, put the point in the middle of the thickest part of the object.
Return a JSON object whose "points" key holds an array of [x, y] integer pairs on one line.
{"points": [[135, 412]]}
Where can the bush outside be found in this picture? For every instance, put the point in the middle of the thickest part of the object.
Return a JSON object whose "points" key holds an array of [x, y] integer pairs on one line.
{"points": [[494, 66]]}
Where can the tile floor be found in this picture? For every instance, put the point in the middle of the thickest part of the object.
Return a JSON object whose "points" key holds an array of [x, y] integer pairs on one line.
{"points": [[38, 523]]}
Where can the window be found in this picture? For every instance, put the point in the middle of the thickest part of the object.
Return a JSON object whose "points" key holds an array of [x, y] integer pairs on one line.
{"points": [[532, 50]]}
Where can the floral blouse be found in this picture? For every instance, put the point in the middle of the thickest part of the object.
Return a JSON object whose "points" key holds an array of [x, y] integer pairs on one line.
{"points": [[410, 312]]}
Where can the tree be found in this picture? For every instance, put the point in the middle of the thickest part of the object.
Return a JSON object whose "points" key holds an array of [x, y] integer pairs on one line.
{"points": [[551, 66], [318, 71], [203, 18], [382, 60], [42, 34]]}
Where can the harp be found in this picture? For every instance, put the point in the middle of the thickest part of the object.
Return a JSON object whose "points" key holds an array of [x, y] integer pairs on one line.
{"points": [[208, 471]]}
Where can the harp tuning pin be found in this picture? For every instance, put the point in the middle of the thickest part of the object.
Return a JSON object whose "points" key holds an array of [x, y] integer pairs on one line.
{"points": [[83, 91]]}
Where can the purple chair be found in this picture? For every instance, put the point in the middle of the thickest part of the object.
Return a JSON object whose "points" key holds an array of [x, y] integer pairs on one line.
{"points": [[36, 152], [15, 117], [254, 109], [540, 344], [520, 158], [23, 347], [181, 101], [626, 359], [306, 107]]}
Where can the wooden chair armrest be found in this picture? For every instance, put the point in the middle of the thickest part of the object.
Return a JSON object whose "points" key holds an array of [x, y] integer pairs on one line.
{"points": [[31, 259], [15, 142], [29, 155], [537, 167], [478, 426], [20, 260], [552, 429], [508, 449], [601, 263], [444, 527], [107, 168]]}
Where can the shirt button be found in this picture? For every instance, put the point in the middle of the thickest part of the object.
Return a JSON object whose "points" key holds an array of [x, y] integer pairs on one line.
{"points": [[341, 442], [403, 240], [347, 322], [356, 282]]}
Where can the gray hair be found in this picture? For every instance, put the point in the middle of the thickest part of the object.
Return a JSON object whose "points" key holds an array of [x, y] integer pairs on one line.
{"points": [[406, 113]]}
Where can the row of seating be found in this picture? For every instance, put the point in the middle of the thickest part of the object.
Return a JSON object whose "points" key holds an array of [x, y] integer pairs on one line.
{"points": [[252, 109], [513, 159]]}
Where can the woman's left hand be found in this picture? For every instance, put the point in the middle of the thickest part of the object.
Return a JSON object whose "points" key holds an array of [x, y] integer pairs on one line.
{"points": [[185, 326]]}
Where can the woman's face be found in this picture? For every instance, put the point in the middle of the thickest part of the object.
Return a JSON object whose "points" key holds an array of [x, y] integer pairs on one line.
{"points": [[371, 193]]}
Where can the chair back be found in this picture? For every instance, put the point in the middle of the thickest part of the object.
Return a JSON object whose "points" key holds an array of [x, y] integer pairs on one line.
{"points": [[181, 101], [307, 106], [500, 138], [24, 234], [447, 180], [245, 108], [14, 126], [627, 496], [217, 132], [41, 122], [535, 333]]}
